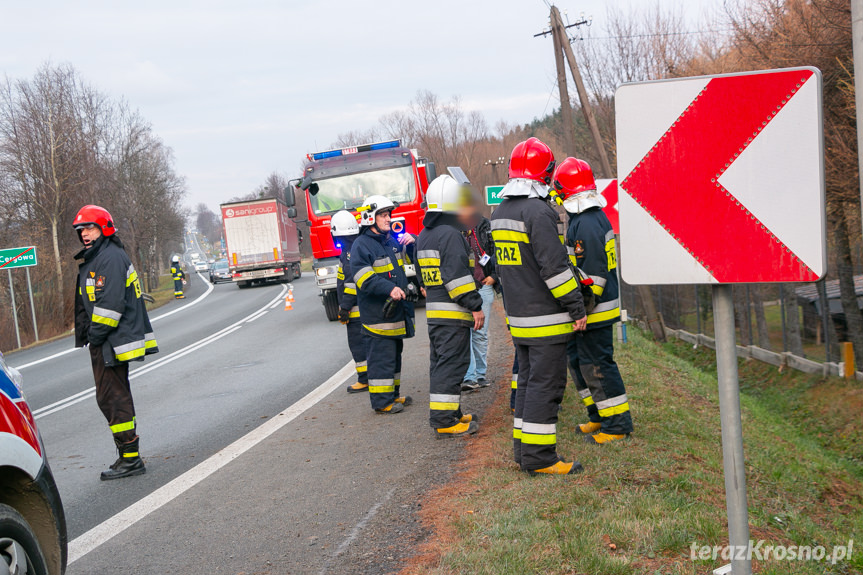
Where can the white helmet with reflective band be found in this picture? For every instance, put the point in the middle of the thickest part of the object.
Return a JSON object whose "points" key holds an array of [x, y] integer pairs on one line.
{"points": [[344, 223], [446, 195], [175, 259], [372, 206]]}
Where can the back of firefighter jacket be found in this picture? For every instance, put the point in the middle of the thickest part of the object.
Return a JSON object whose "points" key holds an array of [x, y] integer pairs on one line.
{"points": [[541, 294], [451, 292]]}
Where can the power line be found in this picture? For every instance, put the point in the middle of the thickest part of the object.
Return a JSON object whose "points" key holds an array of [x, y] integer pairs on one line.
{"points": [[659, 35]]}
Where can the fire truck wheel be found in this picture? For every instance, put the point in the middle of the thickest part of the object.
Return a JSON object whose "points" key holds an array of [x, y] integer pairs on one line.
{"points": [[331, 305]]}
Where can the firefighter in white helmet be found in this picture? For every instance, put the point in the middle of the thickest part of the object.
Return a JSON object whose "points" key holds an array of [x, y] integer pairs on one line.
{"points": [[453, 304], [345, 230], [385, 300], [179, 277]]}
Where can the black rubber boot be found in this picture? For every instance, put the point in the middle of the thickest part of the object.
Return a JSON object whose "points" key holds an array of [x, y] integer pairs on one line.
{"points": [[129, 464]]}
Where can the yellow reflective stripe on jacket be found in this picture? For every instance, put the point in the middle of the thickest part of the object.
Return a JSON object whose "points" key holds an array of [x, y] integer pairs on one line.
{"points": [[350, 290], [460, 286], [510, 236], [428, 258], [444, 314], [564, 289], [104, 320], [545, 331], [363, 275], [130, 355], [388, 329], [382, 266], [131, 277], [604, 311]]}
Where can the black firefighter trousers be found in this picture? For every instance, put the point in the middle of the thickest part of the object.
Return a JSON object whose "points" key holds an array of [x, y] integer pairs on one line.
{"points": [[541, 383], [384, 356], [598, 381], [358, 344], [114, 395], [448, 363]]}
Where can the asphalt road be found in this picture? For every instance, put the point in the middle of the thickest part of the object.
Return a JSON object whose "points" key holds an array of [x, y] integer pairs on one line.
{"points": [[299, 499]]}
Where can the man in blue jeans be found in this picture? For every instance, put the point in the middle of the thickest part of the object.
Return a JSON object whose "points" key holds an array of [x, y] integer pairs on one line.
{"points": [[485, 273]]}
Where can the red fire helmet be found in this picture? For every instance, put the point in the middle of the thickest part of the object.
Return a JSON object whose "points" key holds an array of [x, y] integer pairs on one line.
{"points": [[532, 159], [572, 177], [96, 215]]}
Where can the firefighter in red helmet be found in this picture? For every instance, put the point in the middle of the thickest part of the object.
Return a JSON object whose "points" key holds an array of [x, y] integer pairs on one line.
{"points": [[111, 319], [592, 247], [543, 305]]}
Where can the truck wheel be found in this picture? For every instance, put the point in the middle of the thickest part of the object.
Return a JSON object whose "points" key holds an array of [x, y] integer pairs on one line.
{"points": [[331, 304], [243, 285], [19, 548], [298, 271]]}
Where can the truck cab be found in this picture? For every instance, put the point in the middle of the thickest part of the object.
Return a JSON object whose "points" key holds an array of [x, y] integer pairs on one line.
{"points": [[342, 179]]}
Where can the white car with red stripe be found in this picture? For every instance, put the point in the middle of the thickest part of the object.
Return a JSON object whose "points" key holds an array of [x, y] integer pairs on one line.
{"points": [[32, 521]]}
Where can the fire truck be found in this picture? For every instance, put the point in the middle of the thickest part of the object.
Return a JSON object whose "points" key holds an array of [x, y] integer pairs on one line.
{"points": [[341, 179]]}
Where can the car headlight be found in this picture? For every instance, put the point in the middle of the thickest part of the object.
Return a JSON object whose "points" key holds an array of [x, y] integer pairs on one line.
{"points": [[13, 374], [321, 272]]}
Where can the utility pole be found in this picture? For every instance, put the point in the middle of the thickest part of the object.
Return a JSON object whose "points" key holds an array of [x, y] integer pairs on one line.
{"points": [[494, 164], [565, 104], [586, 108], [857, 44]]}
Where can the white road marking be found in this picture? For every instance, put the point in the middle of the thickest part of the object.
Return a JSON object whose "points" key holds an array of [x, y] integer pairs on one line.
{"points": [[275, 305], [152, 319], [263, 313], [111, 527], [147, 368]]}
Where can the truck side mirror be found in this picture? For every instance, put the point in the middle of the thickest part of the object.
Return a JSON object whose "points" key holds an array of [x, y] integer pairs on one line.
{"points": [[290, 198], [292, 212], [431, 172]]}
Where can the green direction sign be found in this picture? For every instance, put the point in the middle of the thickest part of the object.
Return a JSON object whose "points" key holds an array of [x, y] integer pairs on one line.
{"points": [[18, 257], [492, 195]]}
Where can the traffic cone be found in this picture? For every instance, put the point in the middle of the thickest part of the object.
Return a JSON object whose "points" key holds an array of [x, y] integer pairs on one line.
{"points": [[291, 295], [288, 305]]}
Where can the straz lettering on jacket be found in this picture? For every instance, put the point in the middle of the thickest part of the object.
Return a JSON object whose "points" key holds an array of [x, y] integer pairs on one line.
{"points": [[508, 254]]}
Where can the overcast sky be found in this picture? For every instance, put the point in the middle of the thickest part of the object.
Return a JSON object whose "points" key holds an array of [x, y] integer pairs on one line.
{"points": [[239, 89]]}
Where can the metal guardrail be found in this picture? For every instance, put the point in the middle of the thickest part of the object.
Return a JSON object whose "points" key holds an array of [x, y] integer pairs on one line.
{"points": [[780, 360]]}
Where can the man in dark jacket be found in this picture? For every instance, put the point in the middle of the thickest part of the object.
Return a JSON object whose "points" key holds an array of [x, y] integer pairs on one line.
{"points": [[345, 230], [484, 270], [453, 306], [590, 239], [388, 318], [111, 319], [543, 304]]}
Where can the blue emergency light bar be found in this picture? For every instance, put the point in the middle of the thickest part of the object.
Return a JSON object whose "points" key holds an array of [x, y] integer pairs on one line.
{"points": [[355, 150]]}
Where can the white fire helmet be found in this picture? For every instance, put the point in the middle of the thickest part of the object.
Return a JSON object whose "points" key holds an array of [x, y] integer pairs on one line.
{"points": [[372, 206], [344, 223], [446, 195]]}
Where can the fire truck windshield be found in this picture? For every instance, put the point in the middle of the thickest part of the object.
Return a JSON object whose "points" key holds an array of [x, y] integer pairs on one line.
{"points": [[348, 192]]}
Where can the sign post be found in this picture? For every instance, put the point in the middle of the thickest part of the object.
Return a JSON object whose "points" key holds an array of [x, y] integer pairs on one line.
{"points": [[710, 167], [20, 258]]}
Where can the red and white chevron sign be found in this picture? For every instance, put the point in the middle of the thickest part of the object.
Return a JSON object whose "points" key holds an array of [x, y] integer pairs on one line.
{"points": [[722, 179]]}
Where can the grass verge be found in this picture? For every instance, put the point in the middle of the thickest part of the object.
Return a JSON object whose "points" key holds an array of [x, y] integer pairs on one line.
{"points": [[642, 503]]}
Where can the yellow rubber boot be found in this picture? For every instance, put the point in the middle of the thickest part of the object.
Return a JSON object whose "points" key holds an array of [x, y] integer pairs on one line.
{"points": [[589, 427], [391, 408], [468, 418], [559, 468], [358, 387], [406, 400], [600, 438], [457, 430]]}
